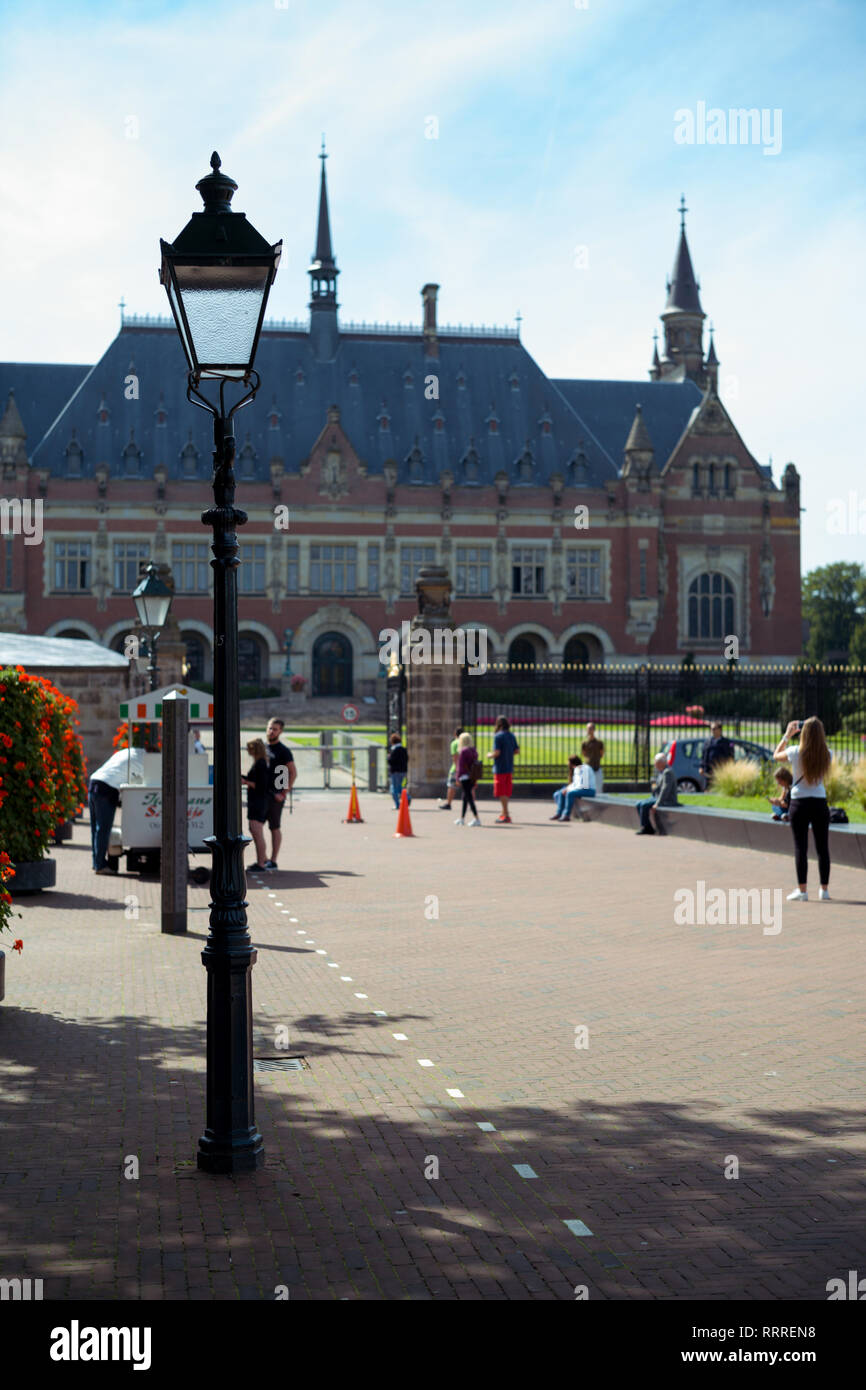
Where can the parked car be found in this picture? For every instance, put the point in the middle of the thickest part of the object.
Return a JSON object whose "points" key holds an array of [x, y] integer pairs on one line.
{"points": [[685, 755]]}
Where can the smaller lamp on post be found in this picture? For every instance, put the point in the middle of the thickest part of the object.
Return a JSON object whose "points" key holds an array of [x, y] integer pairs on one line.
{"points": [[152, 598]]}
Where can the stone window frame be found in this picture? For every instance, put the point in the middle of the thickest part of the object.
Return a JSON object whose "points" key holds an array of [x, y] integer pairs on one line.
{"points": [[124, 538], [190, 540], [572, 549], [733, 563], [480, 547], [89, 559]]}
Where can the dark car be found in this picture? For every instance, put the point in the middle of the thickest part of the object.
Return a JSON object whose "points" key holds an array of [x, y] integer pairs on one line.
{"points": [[688, 753]]}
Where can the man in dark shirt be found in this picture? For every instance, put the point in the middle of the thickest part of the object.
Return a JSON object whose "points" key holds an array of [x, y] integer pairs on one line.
{"points": [[718, 749], [282, 773]]}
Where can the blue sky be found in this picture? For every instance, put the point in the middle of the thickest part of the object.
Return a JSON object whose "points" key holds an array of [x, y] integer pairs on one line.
{"points": [[555, 132]]}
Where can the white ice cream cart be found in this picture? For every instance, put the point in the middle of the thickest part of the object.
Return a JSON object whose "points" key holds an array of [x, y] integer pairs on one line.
{"points": [[139, 835]]}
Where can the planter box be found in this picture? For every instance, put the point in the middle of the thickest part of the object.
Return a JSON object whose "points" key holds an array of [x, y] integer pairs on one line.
{"points": [[33, 877], [2, 977], [63, 832]]}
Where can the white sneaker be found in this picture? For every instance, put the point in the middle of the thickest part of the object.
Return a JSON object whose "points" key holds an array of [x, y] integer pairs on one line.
{"points": [[476, 821], [798, 897], [824, 895], [459, 820]]}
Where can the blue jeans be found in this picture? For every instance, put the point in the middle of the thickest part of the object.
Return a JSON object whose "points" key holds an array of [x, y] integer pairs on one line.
{"points": [[643, 810], [102, 802], [565, 799], [396, 781]]}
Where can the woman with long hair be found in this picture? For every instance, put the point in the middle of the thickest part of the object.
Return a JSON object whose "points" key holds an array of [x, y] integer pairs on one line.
{"points": [[256, 783], [809, 763], [467, 769]]}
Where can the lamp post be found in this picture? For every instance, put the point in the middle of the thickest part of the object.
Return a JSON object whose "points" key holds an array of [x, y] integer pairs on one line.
{"points": [[152, 598], [217, 274]]}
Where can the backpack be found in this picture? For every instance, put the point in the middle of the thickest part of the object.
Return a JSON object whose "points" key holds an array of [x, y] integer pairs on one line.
{"points": [[838, 815], [476, 771]]}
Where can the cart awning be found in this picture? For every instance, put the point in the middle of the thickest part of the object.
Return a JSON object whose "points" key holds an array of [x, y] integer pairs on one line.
{"points": [[149, 707]]}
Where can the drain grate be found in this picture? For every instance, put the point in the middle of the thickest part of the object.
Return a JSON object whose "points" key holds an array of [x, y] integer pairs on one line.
{"points": [[280, 1064]]}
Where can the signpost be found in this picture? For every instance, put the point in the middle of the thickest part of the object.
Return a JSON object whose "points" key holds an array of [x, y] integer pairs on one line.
{"points": [[175, 790]]}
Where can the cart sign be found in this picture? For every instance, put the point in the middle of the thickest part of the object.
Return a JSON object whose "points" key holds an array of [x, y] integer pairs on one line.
{"points": [[350, 713], [148, 708]]}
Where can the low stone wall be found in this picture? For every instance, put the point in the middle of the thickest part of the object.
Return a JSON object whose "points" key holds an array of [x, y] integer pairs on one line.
{"points": [[738, 829]]}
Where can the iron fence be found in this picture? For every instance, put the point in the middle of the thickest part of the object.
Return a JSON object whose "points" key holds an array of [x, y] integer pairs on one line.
{"points": [[636, 709]]}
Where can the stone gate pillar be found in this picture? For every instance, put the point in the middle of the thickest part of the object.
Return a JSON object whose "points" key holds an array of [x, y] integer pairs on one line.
{"points": [[433, 689]]}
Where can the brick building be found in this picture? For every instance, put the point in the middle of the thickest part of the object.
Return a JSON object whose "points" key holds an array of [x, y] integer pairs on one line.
{"points": [[580, 520]]}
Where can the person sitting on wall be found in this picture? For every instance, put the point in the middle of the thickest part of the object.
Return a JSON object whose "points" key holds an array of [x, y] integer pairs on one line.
{"points": [[781, 804], [582, 784], [665, 794]]}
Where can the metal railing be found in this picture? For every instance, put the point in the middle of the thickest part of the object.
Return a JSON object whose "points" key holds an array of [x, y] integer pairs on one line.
{"points": [[637, 709]]}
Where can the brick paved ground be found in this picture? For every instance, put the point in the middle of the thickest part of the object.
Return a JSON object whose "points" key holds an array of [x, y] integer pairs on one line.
{"points": [[705, 1044]]}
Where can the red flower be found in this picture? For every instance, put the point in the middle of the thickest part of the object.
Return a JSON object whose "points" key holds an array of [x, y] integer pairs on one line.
{"points": [[18, 945]]}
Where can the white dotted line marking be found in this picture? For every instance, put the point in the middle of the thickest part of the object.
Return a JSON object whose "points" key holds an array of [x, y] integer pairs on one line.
{"points": [[524, 1170], [425, 1062], [458, 1095], [361, 996], [486, 1126], [577, 1228], [401, 1037]]}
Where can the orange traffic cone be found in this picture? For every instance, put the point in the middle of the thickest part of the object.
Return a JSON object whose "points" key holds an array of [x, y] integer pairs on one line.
{"points": [[354, 817], [404, 825]]}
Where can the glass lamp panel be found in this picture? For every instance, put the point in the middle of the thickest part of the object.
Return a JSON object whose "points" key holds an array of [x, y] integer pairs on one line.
{"points": [[152, 609], [178, 318], [223, 304]]}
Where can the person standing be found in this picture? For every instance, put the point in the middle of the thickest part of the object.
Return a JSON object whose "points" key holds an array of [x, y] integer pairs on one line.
{"points": [[283, 771], [582, 784], [592, 749], [398, 766], [103, 795], [468, 764], [451, 787], [809, 762], [505, 746], [717, 750], [257, 783]]}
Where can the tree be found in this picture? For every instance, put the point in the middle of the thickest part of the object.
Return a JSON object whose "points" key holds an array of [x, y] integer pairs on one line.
{"points": [[834, 605]]}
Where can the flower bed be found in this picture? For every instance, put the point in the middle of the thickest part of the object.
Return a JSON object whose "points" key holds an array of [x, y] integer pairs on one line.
{"points": [[42, 772]]}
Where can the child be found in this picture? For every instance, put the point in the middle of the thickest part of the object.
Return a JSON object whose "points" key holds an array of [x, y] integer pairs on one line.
{"points": [[398, 765], [782, 803]]}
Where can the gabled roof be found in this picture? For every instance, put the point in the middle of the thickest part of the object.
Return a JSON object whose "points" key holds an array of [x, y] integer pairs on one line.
{"points": [[16, 649], [608, 408], [492, 395]]}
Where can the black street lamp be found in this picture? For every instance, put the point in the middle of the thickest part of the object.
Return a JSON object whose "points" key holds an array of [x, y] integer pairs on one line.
{"points": [[217, 274], [152, 598]]}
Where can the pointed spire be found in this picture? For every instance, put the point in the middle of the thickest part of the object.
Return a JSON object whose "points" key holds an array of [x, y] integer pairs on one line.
{"points": [[683, 286], [12, 426], [638, 435], [324, 256], [712, 359]]}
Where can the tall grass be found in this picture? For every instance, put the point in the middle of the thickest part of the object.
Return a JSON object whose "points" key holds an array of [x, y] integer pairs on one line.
{"points": [[858, 781], [744, 778], [838, 783]]}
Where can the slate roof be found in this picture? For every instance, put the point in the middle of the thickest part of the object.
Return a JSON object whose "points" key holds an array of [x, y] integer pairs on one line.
{"points": [[41, 389], [492, 396], [609, 408]]}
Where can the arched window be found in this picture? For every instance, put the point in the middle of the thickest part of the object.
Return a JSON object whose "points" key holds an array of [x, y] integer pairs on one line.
{"points": [[711, 607], [332, 665], [521, 652], [249, 660], [576, 653], [696, 480], [711, 480], [194, 670]]}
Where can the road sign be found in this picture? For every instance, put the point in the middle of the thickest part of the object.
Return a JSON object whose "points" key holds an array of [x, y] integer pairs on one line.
{"points": [[350, 713]]}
